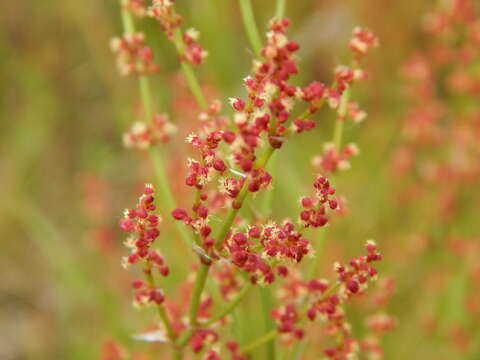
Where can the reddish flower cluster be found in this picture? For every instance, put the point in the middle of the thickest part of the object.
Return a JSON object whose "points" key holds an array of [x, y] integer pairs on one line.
{"points": [[133, 57], [164, 12], [317, 298], [189, 50], [315, 208], [232, 346], [142, 135], [201, 172], [202, 338], [333, 160], [136, 7], [352, 280], [362, 41], [143, 224], [276, 243], [288, 320], [335, 157]]}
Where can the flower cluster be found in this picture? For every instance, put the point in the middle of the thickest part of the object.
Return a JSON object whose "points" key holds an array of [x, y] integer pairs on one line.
{"points": [[288, 320], [142, 135], [203, 338], [136, 7], [352, 280], [230, 161], [143, 225], [362, 41], [332, 160], [170, 22], [335, 157], [164, 12], [318, 299], [261, 251], [133, 56], [315, 208]]}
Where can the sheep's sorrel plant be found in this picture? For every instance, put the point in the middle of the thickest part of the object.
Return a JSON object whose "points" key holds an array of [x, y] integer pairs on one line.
{"points": [[235, 248]]}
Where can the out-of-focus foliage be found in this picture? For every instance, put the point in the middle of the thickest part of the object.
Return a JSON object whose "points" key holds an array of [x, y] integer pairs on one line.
{"points": [[65, 176]]}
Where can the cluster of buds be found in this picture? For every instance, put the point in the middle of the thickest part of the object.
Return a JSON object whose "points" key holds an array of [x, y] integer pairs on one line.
{"points": [[261, 251], [194, 52], [315, 208], [146, 293], [200, 172], [352, 280], [362, 41], [136, 7], [270, 98], [334, 157], [133, 56], [354, 276], [233, 347], [204, 338], [143, 225], [142, 135], [189, 50], [319, 299], [332, 160], [164, 12], [288, 320]]}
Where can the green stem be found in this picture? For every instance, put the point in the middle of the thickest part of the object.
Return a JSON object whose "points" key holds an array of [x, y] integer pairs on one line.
{"points": [[260, 341], [146, 96], [161, 310], [184, 338], [194, 85], [342, 111], [127, 19], [158, 163], [267, 305], [250, 26], [231, 305], [203, 271], [167, 199], [197, 293], [280, 10]]}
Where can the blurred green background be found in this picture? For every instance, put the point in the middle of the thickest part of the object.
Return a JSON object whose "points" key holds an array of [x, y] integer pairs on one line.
{"points": [[65, 176]]}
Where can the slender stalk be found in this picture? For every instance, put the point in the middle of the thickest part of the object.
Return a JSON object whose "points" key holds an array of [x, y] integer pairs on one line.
{"points": [[194, 85], [158, 163], [267, 305], [260, 341], [231, 305], [168, 200], [197, 292], [203, 272], [184, 338], [250, 26], [342, 111], [280, 9], [161, 310], [127, 19]]}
